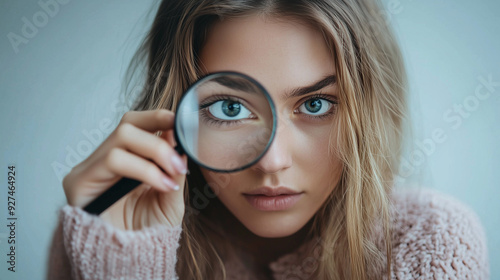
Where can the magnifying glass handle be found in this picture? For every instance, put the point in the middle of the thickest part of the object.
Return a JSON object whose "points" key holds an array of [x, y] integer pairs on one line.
{"points": [[117, 191], [111, 195]]}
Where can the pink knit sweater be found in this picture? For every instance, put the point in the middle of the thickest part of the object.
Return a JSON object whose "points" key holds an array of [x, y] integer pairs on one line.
{"points": [[434, 237]]}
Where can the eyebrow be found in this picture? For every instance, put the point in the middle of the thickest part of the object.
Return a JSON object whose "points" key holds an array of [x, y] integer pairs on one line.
{"points": [[237, 84], [243, 85], [326, 81]]}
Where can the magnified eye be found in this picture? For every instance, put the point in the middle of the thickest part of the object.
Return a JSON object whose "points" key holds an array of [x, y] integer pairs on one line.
{"points": [[229, 110], [315, 106]]}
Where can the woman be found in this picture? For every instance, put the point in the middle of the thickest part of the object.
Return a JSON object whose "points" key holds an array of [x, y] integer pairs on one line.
{"points": [[336, 75]]}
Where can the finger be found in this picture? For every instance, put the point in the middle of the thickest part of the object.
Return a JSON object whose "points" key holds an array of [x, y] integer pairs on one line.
{"points": [[150, 146], [152, 120], [128, 165], [169, 137]]}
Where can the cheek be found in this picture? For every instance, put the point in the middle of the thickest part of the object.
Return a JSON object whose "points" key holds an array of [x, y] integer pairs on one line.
{"points": [[314, 168], [312, 149], [233, 148], [316, 161], [226, 184], [218, 182]]}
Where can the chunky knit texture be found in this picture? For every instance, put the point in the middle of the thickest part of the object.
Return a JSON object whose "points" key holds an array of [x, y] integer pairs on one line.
{"points": [[434, 237]]}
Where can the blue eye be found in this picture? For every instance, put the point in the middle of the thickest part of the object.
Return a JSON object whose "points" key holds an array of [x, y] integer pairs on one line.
{"points": [[315, 106], [229, 110]]}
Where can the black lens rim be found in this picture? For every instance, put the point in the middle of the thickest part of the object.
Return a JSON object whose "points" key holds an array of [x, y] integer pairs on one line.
{"points": [[180, 146]]}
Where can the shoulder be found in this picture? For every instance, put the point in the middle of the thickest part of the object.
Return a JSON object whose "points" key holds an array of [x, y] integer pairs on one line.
{"points": [[436, 235]]}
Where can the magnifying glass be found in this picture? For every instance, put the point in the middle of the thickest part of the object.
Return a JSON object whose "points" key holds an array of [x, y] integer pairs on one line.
{"points": [[225, 122]]}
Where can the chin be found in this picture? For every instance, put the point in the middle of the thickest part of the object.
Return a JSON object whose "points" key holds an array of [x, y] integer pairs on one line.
{"points": [[276, 227]]}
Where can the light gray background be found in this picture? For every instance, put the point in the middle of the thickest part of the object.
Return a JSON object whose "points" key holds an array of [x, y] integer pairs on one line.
{"points": [[63, 83]]}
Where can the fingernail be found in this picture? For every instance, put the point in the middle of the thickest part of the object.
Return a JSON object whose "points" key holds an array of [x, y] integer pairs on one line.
{"points": [[178, 164], [170, 184]]}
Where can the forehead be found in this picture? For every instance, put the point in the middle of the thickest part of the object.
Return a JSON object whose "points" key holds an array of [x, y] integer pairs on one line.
{"points": [[281, 54]]}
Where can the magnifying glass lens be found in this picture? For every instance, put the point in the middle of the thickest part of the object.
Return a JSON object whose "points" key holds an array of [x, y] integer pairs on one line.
{"points": [[225, 122]]}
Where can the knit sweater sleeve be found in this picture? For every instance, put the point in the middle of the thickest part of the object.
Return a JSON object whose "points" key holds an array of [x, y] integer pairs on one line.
{"points": [[86, 247], [437, 237]]}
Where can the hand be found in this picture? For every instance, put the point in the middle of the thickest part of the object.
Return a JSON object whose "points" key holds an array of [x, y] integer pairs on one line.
{"points": [[133, 151]]}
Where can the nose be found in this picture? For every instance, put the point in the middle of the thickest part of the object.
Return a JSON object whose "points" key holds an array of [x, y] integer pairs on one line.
{"points": [[278, 157]]}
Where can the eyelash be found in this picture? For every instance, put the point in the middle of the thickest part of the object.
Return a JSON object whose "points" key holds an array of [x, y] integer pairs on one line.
{"points": [[212, 120], [323, 96], [216, 122]]}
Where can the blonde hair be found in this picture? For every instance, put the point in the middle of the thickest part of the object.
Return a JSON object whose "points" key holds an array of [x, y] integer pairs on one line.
{"points": [[372, 108]]}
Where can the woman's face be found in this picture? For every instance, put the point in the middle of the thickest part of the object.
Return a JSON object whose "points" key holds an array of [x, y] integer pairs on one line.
{"points": [[287, 58]]}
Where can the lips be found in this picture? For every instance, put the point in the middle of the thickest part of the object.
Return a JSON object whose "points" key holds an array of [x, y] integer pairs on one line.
{"points": [[272, 199], [268, 191]]}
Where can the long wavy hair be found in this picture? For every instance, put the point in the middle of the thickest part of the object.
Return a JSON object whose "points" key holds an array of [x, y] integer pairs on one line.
{"points": [[371, 113]]}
